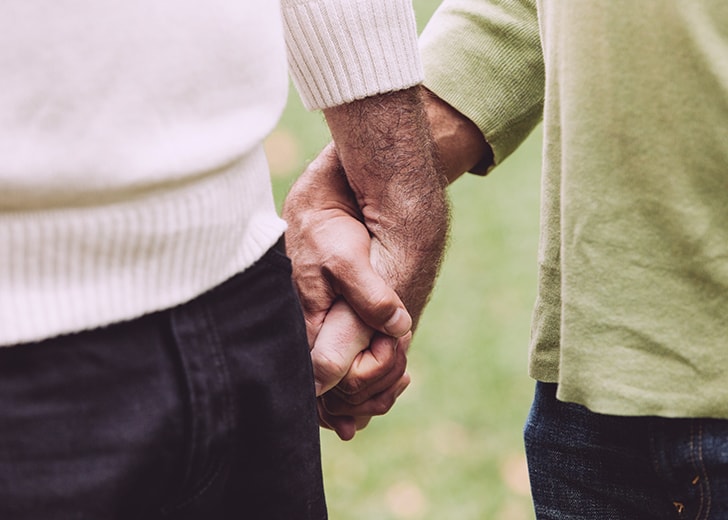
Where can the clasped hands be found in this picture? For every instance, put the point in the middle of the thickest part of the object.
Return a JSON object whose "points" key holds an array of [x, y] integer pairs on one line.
{"points": [[368, 223], [359, 371]]}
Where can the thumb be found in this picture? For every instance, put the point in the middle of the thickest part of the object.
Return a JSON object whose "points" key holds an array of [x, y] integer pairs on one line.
{"points": [[376, 303]]}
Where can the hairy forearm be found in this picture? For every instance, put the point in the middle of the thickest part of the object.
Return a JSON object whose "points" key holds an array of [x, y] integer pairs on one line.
{"points": [[391, 164]]}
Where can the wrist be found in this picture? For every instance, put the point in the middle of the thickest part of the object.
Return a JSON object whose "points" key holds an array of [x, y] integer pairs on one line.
{"points": [[460, 142]]}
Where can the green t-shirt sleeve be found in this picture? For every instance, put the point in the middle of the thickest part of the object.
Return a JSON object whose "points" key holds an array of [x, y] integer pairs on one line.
{"points": [[484, 58]]}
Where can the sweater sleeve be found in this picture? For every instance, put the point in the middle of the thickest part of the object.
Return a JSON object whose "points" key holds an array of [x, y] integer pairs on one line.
{"points": [[484, 58], [343, 50]]}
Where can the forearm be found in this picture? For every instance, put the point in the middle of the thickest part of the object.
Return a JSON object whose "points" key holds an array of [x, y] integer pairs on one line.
{"points": [[392, 166]]}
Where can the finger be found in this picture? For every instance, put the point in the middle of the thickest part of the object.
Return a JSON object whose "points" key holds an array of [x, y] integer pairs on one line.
{"points": [[373, 370], [361, 422], [379, 404], [341, 338], [344, 426]]}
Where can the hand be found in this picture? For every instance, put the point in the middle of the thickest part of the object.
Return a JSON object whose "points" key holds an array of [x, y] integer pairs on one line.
{"points": [[374, 365], [380, 223], [337, 414], [328, 243], [358, 373], [462, 147], [330, 248]]}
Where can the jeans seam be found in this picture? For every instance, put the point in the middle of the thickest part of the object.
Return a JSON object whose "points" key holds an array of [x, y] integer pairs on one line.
{"points": [[705, 474], [222, 366], [696, 454], [189, 443], [207, 480], [656, 466]]}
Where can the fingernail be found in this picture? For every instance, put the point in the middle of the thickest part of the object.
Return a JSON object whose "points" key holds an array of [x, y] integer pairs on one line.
{"points": [[399, 324]]}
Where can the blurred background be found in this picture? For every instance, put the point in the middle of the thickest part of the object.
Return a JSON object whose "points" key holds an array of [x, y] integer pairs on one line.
{"points": [[451, 448]]}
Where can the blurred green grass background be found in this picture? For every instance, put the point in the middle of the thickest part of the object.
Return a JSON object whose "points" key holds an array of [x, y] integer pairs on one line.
{"points": [[451, 448]]}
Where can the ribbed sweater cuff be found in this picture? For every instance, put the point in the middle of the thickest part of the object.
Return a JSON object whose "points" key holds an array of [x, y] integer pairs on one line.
{"points": [[343, 51], [492, 71]]}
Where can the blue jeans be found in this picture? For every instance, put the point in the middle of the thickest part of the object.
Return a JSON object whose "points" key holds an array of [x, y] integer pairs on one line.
{"points": [[584, 465], [204, 411]]}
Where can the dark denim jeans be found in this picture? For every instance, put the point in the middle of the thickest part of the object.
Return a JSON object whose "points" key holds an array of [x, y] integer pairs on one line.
{"points": [[585, 465], [205, 411]]}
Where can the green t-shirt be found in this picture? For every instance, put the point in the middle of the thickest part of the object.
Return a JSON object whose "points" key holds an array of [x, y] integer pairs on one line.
{"points": [[632, 310]]}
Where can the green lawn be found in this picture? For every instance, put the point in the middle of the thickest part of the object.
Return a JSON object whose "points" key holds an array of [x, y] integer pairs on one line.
{"points": [[451, 448]]}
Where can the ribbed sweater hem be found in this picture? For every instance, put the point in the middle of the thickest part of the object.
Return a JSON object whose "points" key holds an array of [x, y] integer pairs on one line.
{"points": [[70, 269]]}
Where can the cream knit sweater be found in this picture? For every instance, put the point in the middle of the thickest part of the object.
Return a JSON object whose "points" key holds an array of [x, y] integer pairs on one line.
{"points": [[132, 174]]}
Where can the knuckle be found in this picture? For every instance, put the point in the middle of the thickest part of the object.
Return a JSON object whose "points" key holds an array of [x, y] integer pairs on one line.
{"points": [[379, 297], [383, 403], [352, 385], [329, 365]]}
